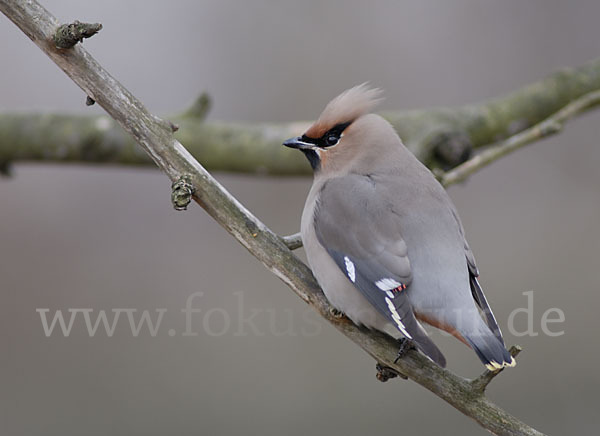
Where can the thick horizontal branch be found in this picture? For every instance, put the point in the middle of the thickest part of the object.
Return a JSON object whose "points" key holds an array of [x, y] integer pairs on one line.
{"points": [[497, 119], [442, 136], [156, 138]]}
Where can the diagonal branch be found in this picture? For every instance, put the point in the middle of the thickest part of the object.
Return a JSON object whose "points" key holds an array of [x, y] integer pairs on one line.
{"points": [[155, 136]]}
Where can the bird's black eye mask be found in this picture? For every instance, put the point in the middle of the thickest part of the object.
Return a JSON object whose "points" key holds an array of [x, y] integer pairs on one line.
{"points": [[330, 138]]}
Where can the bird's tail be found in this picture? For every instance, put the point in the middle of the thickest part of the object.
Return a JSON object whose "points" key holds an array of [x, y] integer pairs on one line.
{"points": [[489, 349], [427, 346]]}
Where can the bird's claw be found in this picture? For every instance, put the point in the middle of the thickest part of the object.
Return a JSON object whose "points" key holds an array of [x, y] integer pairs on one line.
{"points": [[336, 313], [405, 345]]}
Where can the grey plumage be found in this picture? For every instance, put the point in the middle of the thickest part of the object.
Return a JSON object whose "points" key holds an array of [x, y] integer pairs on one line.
{"points": [[383, 238]]}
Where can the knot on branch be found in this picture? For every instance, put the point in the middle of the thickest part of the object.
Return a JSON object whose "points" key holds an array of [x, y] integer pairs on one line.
{"points": [[384, 373], [200, 108], [181, 192], [174, 127], [550, 127], [451, 148], [67, 35]]}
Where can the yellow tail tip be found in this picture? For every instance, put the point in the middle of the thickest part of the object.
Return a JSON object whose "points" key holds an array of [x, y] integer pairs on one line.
{"points": [[495, 366]]}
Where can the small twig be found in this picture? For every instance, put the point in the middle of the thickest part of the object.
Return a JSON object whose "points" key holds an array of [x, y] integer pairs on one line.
{"points": [[293, 241], [549, 126], [200, 108], [67, 35], [480, 383]]}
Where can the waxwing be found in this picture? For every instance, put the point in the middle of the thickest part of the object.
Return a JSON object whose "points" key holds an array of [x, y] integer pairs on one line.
{"points": [[383, 238]]}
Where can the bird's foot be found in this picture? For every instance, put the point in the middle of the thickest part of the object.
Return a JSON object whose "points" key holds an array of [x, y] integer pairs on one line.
{"points": [[336, 313], [384, 373], [405, 345]]}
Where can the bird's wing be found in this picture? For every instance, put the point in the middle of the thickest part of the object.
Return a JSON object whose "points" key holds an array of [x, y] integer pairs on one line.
{"points": [[362, 235], [476, 290]]}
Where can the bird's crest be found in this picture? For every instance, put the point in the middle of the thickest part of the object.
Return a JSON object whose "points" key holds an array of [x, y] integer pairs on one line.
{"points": [[345, 108]]}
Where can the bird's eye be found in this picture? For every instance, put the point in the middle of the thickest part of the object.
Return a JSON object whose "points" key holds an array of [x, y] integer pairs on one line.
{"points": [[331, 140]]}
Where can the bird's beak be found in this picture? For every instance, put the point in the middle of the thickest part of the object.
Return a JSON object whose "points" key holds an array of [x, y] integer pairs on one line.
{"points": [[298, 143]]}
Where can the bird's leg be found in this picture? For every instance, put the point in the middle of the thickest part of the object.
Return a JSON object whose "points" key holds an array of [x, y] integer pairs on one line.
{"points": [[405, 345], [384, 373]]}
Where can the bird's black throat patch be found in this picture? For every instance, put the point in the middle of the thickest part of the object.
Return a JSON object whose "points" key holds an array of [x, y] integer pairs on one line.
{"points": [[313, 158]]}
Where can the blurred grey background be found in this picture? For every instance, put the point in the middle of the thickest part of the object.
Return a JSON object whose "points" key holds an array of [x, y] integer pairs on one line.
{"points": [[104, 238]]}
